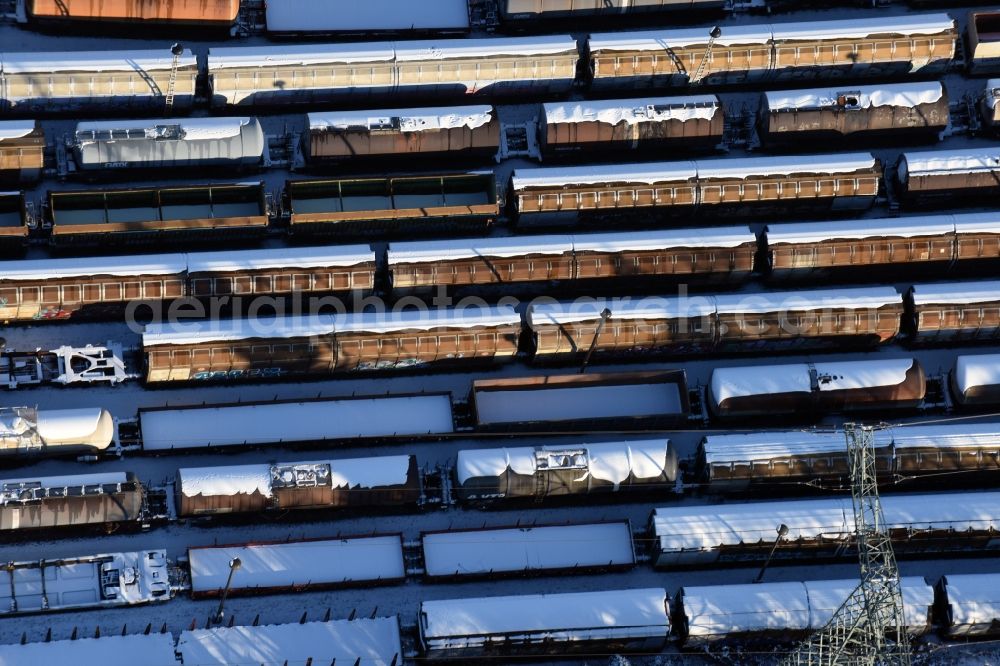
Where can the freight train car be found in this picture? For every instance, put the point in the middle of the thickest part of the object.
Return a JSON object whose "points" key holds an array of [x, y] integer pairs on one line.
{"points": [[742, 461], [296, 566], [975, 380], [984, 42], [98, 218], [969, 605], [91, 287], [955, 311], [625, 400], [903, 110], [917, 44], [323, 73], [782, 612], [688, 324], [633, 465], [322, 344], [807, 388], [545, 624], [309, 18], [14, 227], [295, 423], [106, 500], [540, 10], [915, 243], [131, 13], [724, 254], [22, 151], [125, 81], [647, 123], [456, 132], [944, 178], [818, 529], [27, 431], [235, 144], [551, 195], [326, 484], [390, 206]]}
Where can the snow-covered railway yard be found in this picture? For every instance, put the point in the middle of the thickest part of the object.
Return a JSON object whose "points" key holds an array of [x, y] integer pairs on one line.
{"points": [[420, 535]]}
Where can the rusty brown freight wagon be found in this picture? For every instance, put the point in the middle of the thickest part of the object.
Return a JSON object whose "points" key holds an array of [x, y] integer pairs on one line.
{"points": [[954, 311], [818, 248], [44, 289], [13, 222], [862, 316], [319, 345], [550, 195], [85, 500], [22, 151], [946, 178], [917, 44], [694, 123], [158, 215], [346, 483], [392, 206], [858, 112], [810, 389], [455, 132], [221, 13]]}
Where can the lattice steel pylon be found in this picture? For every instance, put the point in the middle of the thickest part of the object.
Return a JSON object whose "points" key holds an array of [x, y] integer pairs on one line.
{"points": [[869, 628]]}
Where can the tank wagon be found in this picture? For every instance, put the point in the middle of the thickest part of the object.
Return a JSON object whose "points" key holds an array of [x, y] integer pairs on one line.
{"points": [[170, 143], [545, 624], [126, 81], [744, 461], [348, 483], [809, 388], [525, 473], [553, 195], [917, 44], [854, 113], [321, 73], [570, 128], [109, 500], [724, 254], [955, 311], [818, 528], [915, 243], [782, 612], [864, 316], [132, 13], [13, 222], [22, 151], [948, 177], [27, 431], [322, 344], [457, 132]]}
